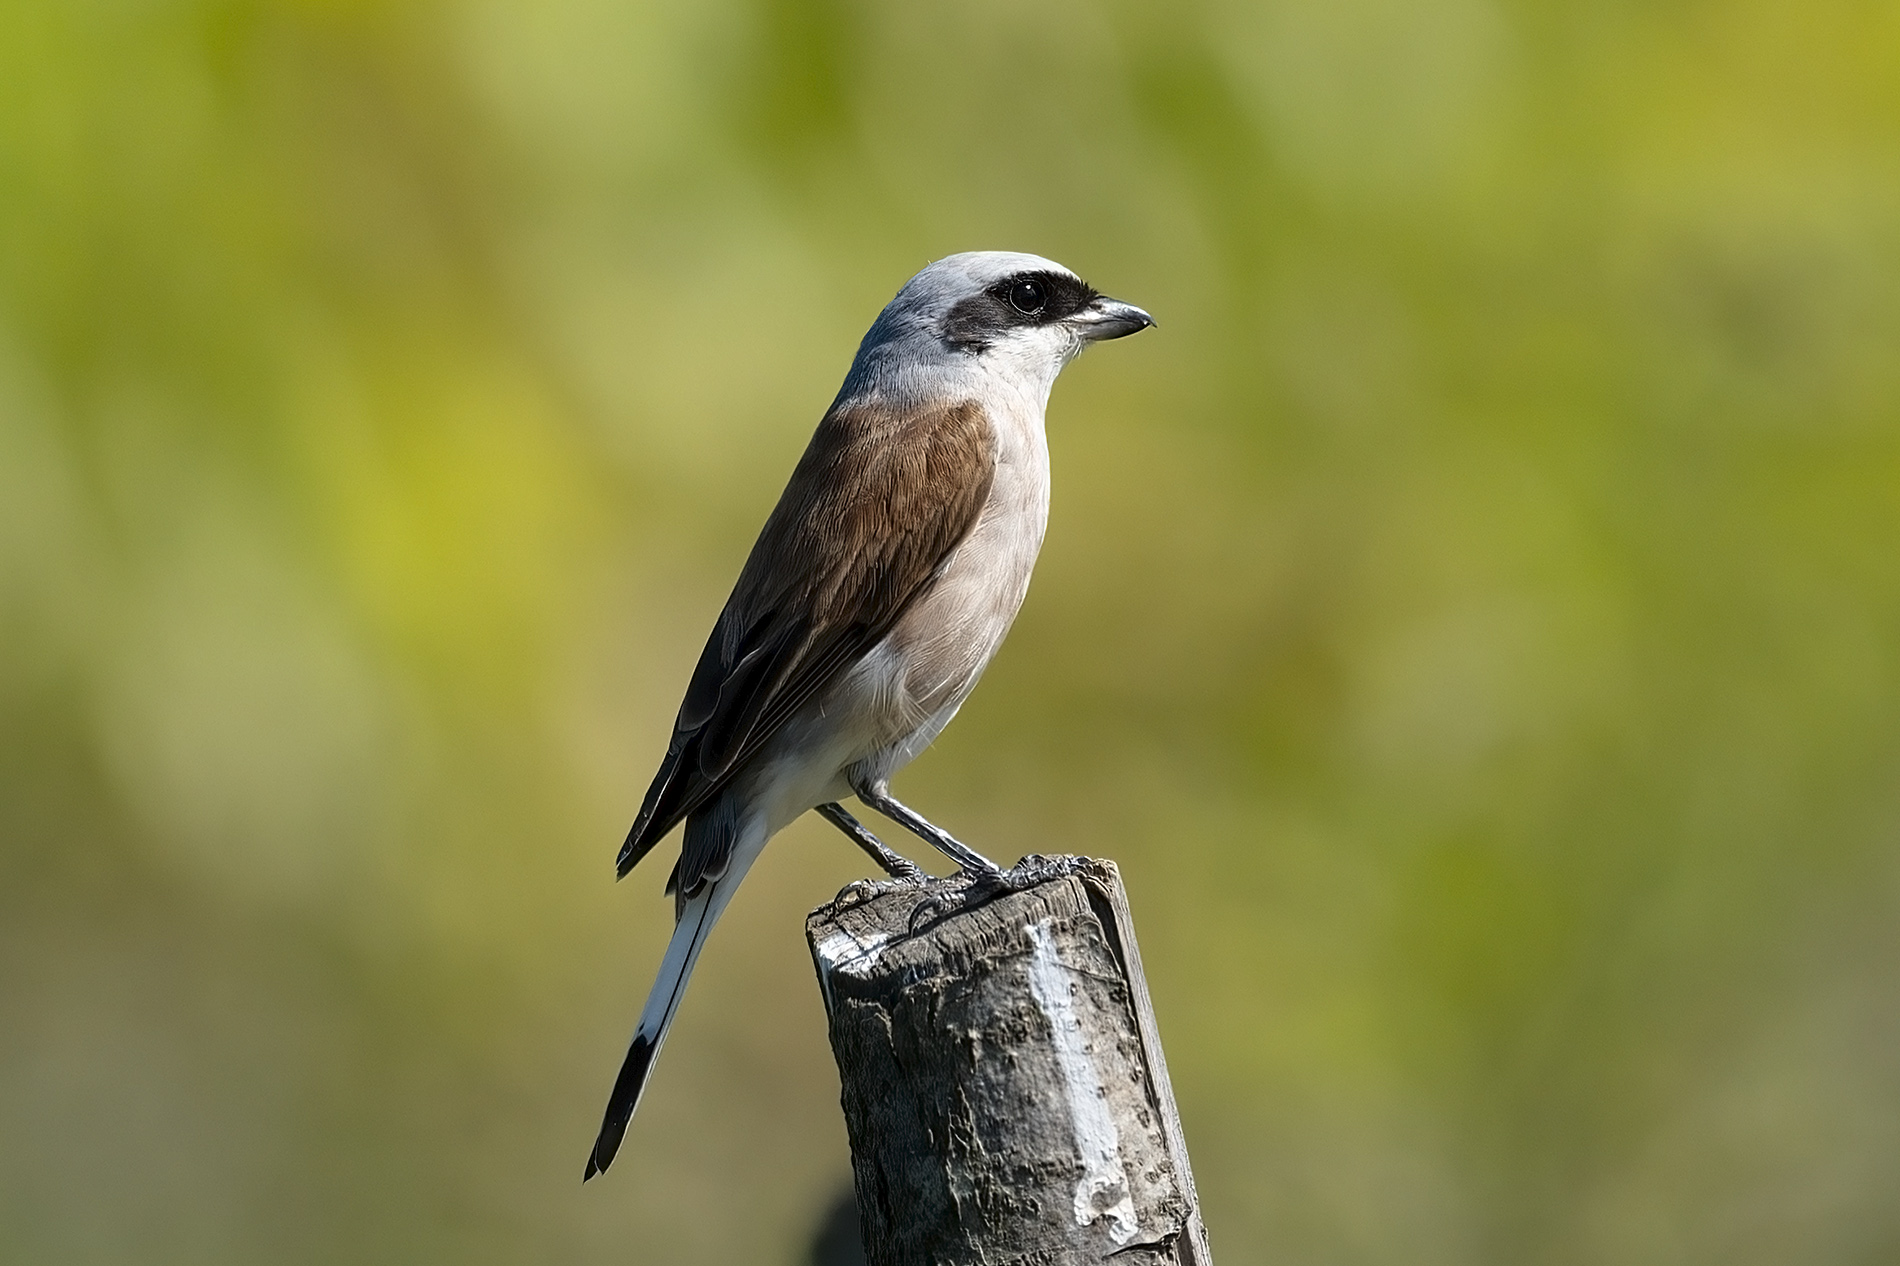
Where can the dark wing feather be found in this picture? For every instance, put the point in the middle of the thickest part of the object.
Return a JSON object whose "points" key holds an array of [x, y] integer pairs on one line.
{"points": [[876, 506]]}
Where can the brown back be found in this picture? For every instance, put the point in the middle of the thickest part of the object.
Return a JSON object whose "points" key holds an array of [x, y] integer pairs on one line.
{"points": [[873, 510]]}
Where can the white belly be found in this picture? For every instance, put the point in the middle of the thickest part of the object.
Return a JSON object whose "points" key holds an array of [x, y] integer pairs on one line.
{"points": [[946, 638], [895, 701], [899, 696]]}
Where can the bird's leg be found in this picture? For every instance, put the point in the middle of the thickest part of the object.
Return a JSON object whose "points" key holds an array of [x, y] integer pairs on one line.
{"points": [[894, 864], [878, 796]]}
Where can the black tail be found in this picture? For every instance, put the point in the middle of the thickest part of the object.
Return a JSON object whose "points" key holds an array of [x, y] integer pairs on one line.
{"points": [[620, 1105]]}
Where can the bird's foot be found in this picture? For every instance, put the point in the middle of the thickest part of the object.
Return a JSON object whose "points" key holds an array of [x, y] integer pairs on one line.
{"points": [[907, 873], [859, 891], [1025, 874], [1039, 868], [973, 885]]}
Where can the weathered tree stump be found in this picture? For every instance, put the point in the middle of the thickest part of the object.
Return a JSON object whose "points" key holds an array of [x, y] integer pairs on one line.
{"points": [[1003, 1084]]}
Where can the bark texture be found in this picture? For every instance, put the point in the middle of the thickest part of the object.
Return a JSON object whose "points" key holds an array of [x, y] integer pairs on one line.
{"points": [[1003, 1084]]}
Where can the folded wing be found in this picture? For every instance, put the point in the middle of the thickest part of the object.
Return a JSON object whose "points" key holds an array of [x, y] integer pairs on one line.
{"points": [[875, 508]]}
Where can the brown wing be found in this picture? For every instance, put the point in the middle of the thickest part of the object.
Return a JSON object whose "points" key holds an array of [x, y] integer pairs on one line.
{"points": [[876, 506]]}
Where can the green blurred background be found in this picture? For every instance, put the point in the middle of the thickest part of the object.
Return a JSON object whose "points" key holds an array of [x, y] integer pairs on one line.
{"points": [[1472, 619]]}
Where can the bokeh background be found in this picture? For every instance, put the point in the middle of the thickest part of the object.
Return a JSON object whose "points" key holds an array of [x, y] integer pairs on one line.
{"points": [[1472, 619]]}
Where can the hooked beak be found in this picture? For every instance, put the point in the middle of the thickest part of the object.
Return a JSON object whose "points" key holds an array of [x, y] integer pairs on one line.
{"points": [[1107, 318]]}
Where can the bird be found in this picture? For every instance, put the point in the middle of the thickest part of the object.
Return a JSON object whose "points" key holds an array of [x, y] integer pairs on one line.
{"points": [[880, 586]]}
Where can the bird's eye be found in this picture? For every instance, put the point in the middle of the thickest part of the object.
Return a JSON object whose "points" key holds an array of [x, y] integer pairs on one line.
{"points": [[1027, 297]]}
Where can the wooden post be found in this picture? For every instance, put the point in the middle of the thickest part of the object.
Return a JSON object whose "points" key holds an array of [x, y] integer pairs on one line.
{"points": [[1004, 1090]]}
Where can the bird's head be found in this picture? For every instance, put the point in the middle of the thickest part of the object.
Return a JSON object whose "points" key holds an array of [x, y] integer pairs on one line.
{"points": [[1020, 317]]}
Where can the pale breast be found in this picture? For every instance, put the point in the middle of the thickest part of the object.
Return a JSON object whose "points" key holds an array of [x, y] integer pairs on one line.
{"points": [[950, 633]]}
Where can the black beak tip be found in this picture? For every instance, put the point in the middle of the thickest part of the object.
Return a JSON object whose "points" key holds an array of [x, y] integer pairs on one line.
{"points": [[1115, 319]]}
